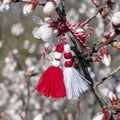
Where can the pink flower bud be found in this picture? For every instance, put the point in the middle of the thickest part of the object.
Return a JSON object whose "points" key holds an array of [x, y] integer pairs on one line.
{"points": [[96, 58], [116, 45], [96, 2], [113, 99], [106, 58], [28, 8], [105, 115], [34, 3], [105, 38]]}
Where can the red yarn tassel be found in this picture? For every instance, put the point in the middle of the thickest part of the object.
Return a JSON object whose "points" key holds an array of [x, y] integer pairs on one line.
{"points": [[51, 83]]}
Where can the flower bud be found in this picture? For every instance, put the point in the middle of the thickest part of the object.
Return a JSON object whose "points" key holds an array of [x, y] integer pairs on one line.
{"points": [[104, 14], [27, 9], [99, 116], [113, 99], [105, 38], [105, 115], [6, 1], [96, 58], [4, 7], [96, 2], [57, 2], [116, 20], [116, 45], [80, 30], [38, 117], [106, 58], [34, 3], [49, 8]]}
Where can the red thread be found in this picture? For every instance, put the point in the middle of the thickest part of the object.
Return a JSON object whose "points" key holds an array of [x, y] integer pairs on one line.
{"points": [[51, 83], [44, 52], [80, 37]]}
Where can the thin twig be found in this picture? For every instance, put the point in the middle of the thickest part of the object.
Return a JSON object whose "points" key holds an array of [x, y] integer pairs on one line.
{"points": [[28, 95], [99, 9], [96, 85], [98, 46], [110, 74], [106, 77], [87, 21]]}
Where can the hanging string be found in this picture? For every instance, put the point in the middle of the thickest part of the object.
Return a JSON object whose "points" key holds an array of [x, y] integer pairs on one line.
{"points": [[44, 54]]}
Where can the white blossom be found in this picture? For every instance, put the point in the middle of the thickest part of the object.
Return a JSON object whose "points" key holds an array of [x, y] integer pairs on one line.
{"points": [[99, 116], [27, 9], [116, 18], [32, 48], [26, 44], [106, 59], [17, 29], [4, 7], [49, 8], [45, 32], [6, 1], [38, 117]]}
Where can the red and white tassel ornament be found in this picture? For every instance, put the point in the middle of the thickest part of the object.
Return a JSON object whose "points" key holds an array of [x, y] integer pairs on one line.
{"points": [[74, 83], [51, 83]]}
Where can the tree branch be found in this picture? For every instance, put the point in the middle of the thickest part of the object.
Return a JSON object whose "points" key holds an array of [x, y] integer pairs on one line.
{"points": [[110, 74], [98, 10], [103, 79]]}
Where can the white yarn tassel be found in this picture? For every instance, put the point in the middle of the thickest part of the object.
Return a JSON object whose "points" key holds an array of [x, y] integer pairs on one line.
{"points": [[74, 83]]}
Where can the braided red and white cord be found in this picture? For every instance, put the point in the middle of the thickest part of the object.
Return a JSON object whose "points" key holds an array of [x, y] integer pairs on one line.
{"points": [[80, 37]]}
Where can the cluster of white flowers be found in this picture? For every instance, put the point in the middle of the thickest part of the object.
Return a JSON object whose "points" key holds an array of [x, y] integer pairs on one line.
{"points": [[5, 5], [17, 29]]}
